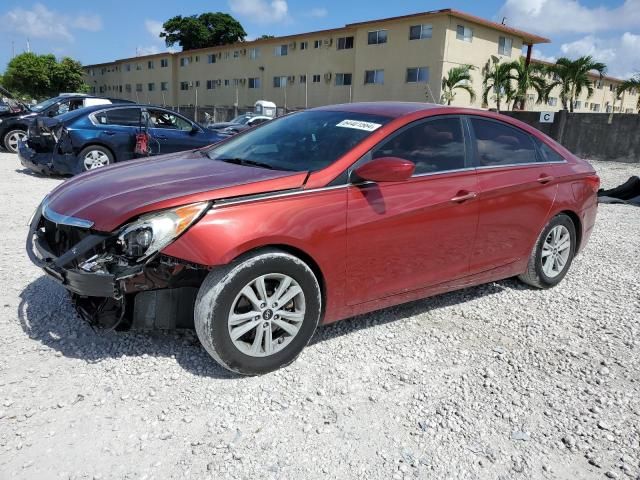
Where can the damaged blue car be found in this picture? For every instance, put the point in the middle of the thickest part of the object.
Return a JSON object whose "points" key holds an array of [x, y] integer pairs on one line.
{"points": [[98, 136]]}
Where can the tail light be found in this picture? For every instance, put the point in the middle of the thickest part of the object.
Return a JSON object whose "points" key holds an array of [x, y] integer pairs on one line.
{"points": [[593, 181]]}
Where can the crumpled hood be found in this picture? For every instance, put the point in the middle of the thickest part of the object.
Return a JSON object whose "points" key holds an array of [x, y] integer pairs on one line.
{"points": [[112, 195]]}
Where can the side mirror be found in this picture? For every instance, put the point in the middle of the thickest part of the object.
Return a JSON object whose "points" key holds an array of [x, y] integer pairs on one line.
{"points": [[51, 113], [194, 129], [385, 169]]}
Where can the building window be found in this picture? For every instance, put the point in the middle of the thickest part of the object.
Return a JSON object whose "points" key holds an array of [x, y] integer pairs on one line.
{"points": [[599, 84], [197, 58], [316, 79], [254, 53], [303, 79], [281, 50], [184, 85], [227, 83], [553, 101], [211, 84], [138, 87], [343, 79], [374, 76], [236, 54], [184, 61], [418, 75], [464, 33], [577, 104], [164, 86], [151, 87], [226, 55], [211, 58], [138, 66], [127, 88], [164, 63], [345, 43], [595, 107], [377, 37], [504, 46], [279, 82], [127, 67], [317, 43], [611, 87], [418, 32], [150, 65], [254, 82], [304, 45]]}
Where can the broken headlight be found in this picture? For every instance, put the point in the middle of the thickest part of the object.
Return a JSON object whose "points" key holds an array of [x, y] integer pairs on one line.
{"points": [[152, 232]]}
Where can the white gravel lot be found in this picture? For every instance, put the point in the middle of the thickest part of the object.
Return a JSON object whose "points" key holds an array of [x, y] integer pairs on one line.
{"points": [[498, 381]]}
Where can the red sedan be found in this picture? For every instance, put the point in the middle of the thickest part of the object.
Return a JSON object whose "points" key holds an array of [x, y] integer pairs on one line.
{"points": [[312, 218]]}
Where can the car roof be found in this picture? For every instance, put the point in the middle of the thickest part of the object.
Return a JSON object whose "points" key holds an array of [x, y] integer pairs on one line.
{"points": [[388, 109]]}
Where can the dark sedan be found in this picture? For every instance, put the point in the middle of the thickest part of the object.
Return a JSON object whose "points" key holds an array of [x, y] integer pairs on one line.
{"points": [[98, 136]]}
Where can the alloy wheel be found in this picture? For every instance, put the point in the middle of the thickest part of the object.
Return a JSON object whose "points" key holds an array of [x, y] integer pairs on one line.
{"points": [[266, 315], [95, 159], [14, 138], [555, 251]]}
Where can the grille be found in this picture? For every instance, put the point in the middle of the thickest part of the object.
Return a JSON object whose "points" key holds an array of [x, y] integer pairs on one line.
{"points": [[61, 238]]}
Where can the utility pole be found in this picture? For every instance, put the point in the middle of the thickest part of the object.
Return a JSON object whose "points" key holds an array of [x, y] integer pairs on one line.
{"points": [[306, 90], [195, 111]]}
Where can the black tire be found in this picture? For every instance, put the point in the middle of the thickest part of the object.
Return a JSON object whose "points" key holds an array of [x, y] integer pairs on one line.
{"points": [[9, 139], [82, 167], [218, 293], [535, 275]]}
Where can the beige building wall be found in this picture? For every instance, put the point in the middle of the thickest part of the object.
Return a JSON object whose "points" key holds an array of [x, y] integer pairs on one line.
{"points": [[310, 71]]}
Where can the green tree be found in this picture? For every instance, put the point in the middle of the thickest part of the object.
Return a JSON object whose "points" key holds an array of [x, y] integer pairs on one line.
{"points": [[497, 79], [200, 31], [632, 84], [573, 76], [39, 76], [528, 77], [458, 78], [265, 37]]}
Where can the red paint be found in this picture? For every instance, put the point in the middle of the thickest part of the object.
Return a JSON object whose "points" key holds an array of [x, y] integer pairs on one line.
{"points": [[374, 244], [387, 169]]}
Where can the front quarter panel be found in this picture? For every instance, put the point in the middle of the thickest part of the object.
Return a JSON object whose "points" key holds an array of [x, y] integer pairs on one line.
{"points": [[312, 222]]}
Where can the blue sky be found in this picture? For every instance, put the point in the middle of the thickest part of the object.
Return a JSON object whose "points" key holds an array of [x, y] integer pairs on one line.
{"points": [[95, 32]]}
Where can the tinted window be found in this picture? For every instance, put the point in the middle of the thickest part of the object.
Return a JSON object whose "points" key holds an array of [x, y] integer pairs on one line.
{"points": [[500, 144], [162, 119], [126, 117], [434, 146], [547, 154]]}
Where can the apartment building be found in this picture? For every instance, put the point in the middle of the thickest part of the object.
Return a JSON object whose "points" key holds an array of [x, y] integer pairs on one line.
{"points": [[399, 58]]}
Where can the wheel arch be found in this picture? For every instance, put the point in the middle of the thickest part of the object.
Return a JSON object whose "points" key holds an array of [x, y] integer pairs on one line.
{"points": [[93, 143], [575, 218]]}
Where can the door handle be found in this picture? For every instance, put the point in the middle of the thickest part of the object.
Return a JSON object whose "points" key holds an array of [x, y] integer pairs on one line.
{"points": [[109, 132], [545, 178], [463, 197]]}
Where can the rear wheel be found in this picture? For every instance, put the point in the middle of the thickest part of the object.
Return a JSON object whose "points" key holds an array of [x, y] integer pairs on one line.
{"points": [[94, 156], [256, 315], [552, 254], [12, 138]]}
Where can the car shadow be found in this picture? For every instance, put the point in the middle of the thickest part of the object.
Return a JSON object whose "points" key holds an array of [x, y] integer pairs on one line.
{"points": [[31, 173], [46, 315]]}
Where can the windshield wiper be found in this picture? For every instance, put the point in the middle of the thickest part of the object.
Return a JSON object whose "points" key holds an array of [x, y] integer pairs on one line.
{"points": [[244, 161]]}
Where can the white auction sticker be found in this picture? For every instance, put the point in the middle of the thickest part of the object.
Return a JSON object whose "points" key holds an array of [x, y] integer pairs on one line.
{"points": [[359, 125]]}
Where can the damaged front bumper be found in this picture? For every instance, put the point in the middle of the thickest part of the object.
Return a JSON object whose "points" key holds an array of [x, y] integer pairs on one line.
{"points": [[107, 289], [47, 163]]}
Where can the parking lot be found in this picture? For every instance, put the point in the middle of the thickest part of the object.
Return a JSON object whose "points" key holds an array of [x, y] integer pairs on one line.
{"points": [[497, 381]]}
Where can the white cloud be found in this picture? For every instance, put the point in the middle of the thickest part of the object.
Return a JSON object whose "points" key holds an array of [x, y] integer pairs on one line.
{"points": [[620, 53], [40, 22], [149, 50], [569, 16], [261, 11], [318, 12], [543, 57], [154, 28]]}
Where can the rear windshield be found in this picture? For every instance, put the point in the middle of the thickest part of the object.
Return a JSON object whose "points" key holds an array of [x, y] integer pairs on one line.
{"points": [[303, 141]]}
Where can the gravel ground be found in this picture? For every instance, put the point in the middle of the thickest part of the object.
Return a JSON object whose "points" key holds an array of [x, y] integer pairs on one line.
{"points": [[498, 381]]}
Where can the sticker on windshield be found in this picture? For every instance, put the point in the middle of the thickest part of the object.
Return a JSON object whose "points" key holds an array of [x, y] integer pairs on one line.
{"points": [[359, 125]]}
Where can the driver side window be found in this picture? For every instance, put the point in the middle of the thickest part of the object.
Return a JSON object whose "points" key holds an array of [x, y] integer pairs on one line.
{"points": [[162, 119], [433, 145]]}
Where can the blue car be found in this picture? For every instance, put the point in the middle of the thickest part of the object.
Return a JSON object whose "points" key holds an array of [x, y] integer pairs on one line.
{"points": [[101, 135]]}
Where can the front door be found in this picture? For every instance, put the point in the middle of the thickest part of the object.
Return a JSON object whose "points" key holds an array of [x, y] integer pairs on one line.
{"points": [[172, 132], [403, 236]]}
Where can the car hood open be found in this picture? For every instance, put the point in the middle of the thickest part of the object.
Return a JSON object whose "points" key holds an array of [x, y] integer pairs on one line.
{"points": [[110, 196]]}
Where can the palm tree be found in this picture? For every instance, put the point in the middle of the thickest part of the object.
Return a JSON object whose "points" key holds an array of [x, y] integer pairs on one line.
{"points": [[458, 78], [573, 77], [628, 85], [497, 78], [528, 77]]}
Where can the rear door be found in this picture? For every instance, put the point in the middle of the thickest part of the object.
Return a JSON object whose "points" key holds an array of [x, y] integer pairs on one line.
{"points": [[117, 128], [173, 132], [404, 236], [516, 193]]}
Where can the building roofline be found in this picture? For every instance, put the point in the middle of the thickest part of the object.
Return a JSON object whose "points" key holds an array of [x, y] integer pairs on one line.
{"points": [[528, 38], [604, 77]]}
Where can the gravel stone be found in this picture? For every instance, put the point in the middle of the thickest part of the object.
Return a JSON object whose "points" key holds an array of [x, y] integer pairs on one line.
{"points": [[446, 387]]}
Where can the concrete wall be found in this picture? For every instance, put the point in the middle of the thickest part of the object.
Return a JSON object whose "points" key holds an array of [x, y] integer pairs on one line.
{"points": [[597, 136]]}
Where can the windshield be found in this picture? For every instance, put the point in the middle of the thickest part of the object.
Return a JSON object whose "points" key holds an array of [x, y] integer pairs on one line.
{"points": [[304, 141], [39, 107], [242, 119]]}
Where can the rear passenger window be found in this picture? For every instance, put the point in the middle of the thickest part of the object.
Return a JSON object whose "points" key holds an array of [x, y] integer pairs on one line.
{"points": [[548, 154], [126, 117], [499, 144], [434, 146]]}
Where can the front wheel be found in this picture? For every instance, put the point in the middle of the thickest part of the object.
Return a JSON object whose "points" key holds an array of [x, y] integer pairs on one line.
{"points": [[94, 156], [257, 314], [12, 138], [552, 254]]}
